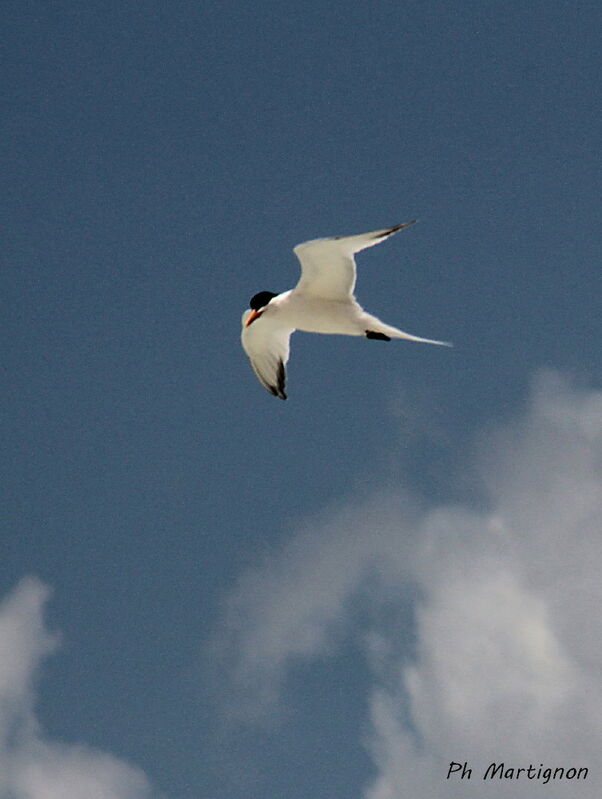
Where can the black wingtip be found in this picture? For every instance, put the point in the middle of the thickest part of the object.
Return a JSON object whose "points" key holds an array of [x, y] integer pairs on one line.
{"points": [[390, 230], [281, 380], [377, 336], [278, 389]]}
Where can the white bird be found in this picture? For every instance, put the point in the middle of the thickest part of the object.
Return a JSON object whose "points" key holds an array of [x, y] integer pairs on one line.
{"points": [[321, 302]]}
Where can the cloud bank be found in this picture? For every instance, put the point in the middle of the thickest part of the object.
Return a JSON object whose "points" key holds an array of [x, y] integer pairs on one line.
{"points": [[505, 662], [31, 766]]}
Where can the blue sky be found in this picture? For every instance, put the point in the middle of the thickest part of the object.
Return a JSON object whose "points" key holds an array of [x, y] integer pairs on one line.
{"points": [[209, 592]]}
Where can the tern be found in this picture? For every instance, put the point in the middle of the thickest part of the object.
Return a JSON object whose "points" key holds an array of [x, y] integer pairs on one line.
{"points": [[321, 302]]}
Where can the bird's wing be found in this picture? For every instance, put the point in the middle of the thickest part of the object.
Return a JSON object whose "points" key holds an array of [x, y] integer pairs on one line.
{"points": [[267, 345], [328, 266]]}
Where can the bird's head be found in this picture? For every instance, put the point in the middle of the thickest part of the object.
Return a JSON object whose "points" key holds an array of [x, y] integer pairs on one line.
{"points": [[257, 306]]}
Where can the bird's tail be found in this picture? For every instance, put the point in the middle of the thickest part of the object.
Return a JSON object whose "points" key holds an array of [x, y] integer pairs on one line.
{"points": [[374, 325]]}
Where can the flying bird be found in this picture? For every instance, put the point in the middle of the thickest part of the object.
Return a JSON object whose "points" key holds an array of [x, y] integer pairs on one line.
{"points": [[321, 302]]}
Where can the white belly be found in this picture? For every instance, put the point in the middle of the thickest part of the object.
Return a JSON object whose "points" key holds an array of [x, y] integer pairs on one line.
{"points": [[316, 315]]}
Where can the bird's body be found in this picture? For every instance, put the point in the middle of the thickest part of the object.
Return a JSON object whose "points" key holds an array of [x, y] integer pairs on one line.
{"points": [[321, 302], [315, 314]]}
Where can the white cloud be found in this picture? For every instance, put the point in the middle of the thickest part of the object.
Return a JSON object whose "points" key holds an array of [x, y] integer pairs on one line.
{"points": [[32, 767], [508, 627], [291, 607]]}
